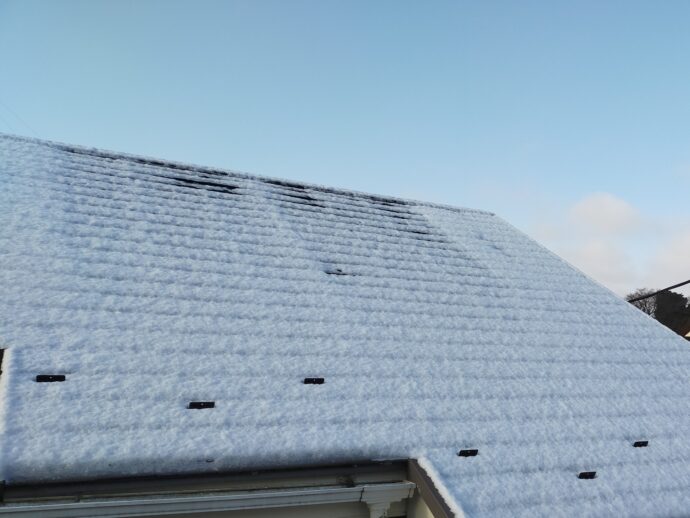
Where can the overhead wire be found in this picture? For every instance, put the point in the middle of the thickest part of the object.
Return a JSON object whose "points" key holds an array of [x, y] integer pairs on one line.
{"points": [[20, 119], [659, 291], [7, 123]]}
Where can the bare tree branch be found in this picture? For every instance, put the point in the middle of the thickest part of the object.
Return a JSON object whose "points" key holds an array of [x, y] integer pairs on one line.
{"points": [[647, 305]]}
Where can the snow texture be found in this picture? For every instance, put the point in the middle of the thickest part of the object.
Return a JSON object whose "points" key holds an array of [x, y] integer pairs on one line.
{"points": [[152, 284]]}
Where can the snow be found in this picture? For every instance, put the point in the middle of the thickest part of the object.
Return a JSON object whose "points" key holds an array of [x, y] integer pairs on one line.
{"points": [[448, 330]]}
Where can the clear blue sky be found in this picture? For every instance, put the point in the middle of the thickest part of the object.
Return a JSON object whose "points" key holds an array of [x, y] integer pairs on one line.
{"points": [[523, 108]]}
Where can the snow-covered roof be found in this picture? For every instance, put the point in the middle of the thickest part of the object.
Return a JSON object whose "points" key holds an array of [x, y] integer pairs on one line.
{"points": [[150, 285]]}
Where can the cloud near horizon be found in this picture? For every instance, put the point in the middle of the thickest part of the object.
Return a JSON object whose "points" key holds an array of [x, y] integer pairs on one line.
{"points": [[604, 214], [614, 243]]}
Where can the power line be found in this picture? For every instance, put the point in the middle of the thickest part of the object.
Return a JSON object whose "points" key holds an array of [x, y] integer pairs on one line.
{"points": [[10, 126], [660, 291], [16, 116]]}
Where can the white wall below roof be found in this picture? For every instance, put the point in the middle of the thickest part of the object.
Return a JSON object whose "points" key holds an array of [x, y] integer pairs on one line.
{"points": [[417, 508], [343, 510], [414, 507], [372, 499], [340, 510], [410, 508]]}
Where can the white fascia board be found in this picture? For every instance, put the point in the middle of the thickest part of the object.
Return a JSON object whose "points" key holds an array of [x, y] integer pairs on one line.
{"points": [[390, 492]]}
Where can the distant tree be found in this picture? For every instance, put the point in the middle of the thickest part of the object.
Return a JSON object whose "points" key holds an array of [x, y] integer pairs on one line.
{"points": [[668, 307], [647, 305], [672, 310]]}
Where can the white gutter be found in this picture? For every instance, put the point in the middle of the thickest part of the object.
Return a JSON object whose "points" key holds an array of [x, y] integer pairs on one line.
{"points": [[377, 496]]}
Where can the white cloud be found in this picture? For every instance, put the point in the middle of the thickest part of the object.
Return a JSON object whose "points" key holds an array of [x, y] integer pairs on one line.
{"points": [[597, 235], [604, 214], [618, 245]]}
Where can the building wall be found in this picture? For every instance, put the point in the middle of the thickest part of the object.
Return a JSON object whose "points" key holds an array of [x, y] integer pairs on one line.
{"points": [[347, 510], [416, 508]]}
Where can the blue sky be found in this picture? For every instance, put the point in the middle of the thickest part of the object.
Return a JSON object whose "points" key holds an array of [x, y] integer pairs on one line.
{"points": [[569, 119]]}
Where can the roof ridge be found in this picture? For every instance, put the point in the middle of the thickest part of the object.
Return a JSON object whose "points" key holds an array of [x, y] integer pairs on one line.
{"points": [[105, 153]]}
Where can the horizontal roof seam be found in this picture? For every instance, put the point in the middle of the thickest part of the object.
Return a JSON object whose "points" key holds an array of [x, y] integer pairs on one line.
{"points": [[621, 435], [269, 307], [617, 438], [605, 495], [430, 358], [333, 335], [217, 300], [334, 349], [301, 397], [580, 344], [407, 391], [284, 422], [291, 371], [526, 471], [249, 316]]}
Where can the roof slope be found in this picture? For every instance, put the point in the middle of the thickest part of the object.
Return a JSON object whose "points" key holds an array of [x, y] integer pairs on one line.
{"points": [[150, 285]]}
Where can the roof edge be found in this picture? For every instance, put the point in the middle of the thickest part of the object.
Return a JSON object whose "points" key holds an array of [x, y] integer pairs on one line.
{"points": [[186, 482], [143, 159], [436, 497]]}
